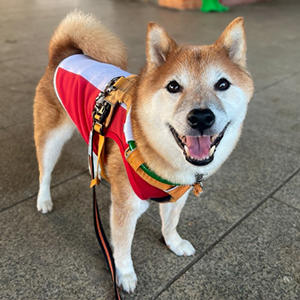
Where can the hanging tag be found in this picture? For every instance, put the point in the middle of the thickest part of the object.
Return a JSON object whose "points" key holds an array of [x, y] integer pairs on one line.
{"points": [[197, 189]]}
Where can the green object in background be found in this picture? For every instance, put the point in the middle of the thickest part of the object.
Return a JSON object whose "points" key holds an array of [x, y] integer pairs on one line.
{"points": [[213, 5]]}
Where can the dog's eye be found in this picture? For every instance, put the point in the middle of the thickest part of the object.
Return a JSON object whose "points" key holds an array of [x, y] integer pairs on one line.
{"points": [[222, 85], [174, 87]]}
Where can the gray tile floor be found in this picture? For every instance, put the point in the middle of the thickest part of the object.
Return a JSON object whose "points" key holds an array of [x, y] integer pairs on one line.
{"points": [[246, 227]]}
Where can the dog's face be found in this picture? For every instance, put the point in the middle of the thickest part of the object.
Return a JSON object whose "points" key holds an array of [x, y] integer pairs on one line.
{"points": [[192, 100]]}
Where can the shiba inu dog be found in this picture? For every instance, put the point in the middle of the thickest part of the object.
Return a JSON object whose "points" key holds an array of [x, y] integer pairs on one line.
{"points": [[187, 115]]}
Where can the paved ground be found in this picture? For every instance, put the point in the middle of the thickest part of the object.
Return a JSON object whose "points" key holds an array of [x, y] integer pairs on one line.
{"points": [[246, 227]]}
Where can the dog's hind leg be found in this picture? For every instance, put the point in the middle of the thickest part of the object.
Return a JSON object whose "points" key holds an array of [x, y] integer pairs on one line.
{"points": [[170, 213], [48, 154], [52, 129]]}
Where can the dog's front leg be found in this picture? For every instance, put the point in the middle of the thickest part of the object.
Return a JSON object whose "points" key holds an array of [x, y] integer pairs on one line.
{"points": [[170, 213], [124, 214]]}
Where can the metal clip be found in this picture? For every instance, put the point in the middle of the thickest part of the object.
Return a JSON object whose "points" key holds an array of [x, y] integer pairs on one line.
{"points": [[199, 178], [111, 87], [102, 107], [100, 114]]}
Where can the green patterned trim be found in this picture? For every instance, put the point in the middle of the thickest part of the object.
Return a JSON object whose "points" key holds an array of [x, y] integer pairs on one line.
{"points": [[132, 146]]}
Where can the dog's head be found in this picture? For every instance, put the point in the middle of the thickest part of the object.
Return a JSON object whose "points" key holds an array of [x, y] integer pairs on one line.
{"points": [[192, 100]]}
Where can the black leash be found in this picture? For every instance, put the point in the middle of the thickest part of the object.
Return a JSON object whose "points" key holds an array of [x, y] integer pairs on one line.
{"points": [[101, 237]]}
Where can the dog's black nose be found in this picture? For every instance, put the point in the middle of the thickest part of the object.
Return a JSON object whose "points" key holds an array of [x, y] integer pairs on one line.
{"points": [[201, 119]]}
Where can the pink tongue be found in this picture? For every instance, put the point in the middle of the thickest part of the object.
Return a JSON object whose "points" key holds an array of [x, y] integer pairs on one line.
{"points": [[198, 146]]}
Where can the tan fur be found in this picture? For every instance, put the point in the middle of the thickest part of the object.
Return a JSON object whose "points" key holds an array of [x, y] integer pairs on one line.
{"points": [[83, 33], [195, 59], [79, 33], [234, 32]]}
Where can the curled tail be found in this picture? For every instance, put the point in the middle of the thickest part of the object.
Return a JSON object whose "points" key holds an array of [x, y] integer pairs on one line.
{"points": [[81, 33]]}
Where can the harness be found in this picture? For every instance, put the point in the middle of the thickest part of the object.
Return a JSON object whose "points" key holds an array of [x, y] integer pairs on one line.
{"points": [[108, 108], [108, 105], [108, 116]]}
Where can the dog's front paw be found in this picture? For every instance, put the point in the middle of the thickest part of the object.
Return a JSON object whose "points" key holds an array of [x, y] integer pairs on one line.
{"points": [[127, 281], [181, 247], [44, 206]]}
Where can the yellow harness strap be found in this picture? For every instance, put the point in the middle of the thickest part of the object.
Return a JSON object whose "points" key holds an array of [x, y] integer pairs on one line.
{"points": [[135, 159], [123, 92], [197, 189]]}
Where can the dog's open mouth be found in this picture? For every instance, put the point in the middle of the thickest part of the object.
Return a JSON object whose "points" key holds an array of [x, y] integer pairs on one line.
{"points": [[198, 150]]}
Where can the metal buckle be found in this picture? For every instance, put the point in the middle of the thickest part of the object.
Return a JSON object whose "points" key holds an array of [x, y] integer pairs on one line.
{"points": [[100, 114], [108, 89], [102, 107], [199, 178], [110, 86]]}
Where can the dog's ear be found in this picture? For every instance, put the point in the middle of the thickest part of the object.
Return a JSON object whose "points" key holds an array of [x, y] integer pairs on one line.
{"points": [[233, 39], [158, 45]]}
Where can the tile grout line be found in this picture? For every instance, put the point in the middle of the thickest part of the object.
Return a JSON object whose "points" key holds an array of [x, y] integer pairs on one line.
{"points": [[287, 204], [196, 259], [275, 82], [35, 194], [227, 232], [30, 81], [255, 93], [277, 143], [152, 218], [13, 125]]}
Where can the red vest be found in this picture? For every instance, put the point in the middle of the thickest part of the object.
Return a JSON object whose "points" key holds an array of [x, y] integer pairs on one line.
{"points": [[77, 83]]}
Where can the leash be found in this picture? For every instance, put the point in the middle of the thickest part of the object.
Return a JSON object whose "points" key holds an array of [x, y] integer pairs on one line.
{"points": [[105, 105], [103, 242], [100, 114]]}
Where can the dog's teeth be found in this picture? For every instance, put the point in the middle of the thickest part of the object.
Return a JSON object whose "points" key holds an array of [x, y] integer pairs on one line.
{"points": [[212, 150], [186, 149]]}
